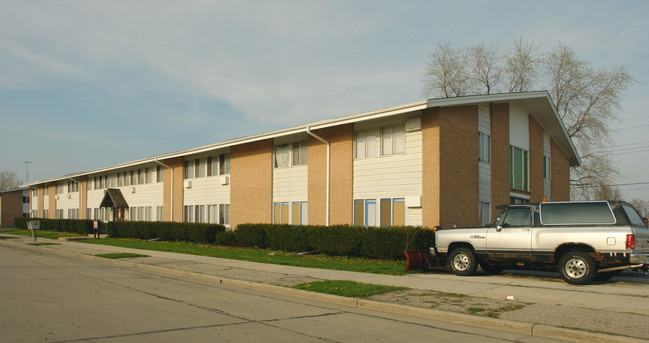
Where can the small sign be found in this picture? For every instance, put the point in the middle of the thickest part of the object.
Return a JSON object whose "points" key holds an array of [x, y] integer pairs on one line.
{"points": [[34, 224], [95, 224]]}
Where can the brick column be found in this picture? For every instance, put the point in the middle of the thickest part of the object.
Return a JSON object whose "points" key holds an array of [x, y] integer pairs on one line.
{"points": [[500, 168], [251, 183], [536, 160]]}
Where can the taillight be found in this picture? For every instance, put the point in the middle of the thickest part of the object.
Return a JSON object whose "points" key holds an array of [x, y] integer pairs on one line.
{"points": [[630, 241]]}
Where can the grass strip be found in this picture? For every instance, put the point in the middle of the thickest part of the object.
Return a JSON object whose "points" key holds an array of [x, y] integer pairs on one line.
{"points": [[345, 288], [388, 267], [121, 255]]}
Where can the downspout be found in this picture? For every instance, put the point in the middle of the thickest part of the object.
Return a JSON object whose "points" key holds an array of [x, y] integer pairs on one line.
{"points": [[172, 185], [308, 131]]}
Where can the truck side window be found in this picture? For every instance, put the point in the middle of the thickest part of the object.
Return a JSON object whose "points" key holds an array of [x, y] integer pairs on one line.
{"points": [[517, 217]]}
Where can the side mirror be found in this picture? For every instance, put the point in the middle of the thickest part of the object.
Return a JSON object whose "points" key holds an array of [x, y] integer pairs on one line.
{"points": [[499, 228]]}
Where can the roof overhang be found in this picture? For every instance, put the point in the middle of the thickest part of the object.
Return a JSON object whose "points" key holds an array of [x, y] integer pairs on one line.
{"points": [[538, 103]]}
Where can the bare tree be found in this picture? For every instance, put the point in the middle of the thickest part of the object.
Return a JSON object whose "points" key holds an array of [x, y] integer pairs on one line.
{"points": [[446, 74], [522, 66], [485, 66], [587, 101], [642, 206], [8, 180]]}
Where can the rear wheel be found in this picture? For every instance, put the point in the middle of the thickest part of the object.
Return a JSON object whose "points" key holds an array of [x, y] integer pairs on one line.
{"points": [[463, 261], [577, 268]]}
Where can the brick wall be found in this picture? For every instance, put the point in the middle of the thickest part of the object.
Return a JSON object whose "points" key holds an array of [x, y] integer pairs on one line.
{"points": [[177, 164], [560, 174], [11, 206], [251, 188], [341, 175], [430, 167], [459, 166], [52, 200], [536, 160], [83, 197], [500, 169]]}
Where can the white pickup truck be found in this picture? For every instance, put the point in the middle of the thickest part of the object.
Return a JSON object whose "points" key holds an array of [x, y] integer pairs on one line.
{"points": [[585, 241]]}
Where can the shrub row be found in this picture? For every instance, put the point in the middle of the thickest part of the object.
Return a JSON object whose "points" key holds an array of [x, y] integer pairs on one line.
{"points": [[61, 225], [166, 231], [339, 240]]}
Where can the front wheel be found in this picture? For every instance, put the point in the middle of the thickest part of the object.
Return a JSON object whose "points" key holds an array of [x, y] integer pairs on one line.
{"points": [[463, 261], [577, 268]]}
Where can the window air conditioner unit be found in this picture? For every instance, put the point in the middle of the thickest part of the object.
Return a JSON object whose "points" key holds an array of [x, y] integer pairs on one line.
{"points": [[132, 189], [69, 196], [57, 197], [188, 183], [413, 124], [413, 201], [224, 179]]}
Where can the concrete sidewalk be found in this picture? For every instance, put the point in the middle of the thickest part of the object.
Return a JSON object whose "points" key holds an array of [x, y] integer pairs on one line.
{"points": [[619, 307]]}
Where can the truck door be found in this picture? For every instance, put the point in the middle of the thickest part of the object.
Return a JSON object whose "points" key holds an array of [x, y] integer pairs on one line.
{"points": [[510, 236]]}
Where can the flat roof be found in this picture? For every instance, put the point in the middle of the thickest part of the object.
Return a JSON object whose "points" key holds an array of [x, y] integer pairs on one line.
{"points": [[539, 103]]}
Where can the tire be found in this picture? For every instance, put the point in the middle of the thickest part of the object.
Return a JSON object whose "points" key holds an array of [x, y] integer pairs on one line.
{"points": [[577, 268], [463, 262], [491, 268]]}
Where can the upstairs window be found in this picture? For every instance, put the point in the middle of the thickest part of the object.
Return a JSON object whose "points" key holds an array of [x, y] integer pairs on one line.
{"points": [[224, 164], [393, 140], [484, 147], [518, 161], [291, 154], [365, 144]]}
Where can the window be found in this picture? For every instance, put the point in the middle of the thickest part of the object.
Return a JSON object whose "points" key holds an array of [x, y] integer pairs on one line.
{"points": [[365, 144], [46, 191], [280, 213], [515, 217], [197, 168], [159, 213], [576, 213], [211, 166], [393, 140], [224, 164], [300, 153], [484, 147], [300, 213], [224, 213], [393, 212], [189, 170], [365, 212], [484, 213], [546, 167], [159, 174], [518, 161], [188, 214], [73, 187], [282, 156]]}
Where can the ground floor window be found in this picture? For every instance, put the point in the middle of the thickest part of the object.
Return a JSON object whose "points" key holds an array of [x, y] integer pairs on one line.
{"points": [[159, 213], [392, 212], [280, 213], [484, 213]]}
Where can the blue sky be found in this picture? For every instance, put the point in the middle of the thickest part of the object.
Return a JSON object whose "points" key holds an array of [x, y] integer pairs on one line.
{"points": [[89, 84]]}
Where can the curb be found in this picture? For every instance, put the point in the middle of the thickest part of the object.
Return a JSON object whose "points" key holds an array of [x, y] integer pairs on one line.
{"points": [[536, 330]]}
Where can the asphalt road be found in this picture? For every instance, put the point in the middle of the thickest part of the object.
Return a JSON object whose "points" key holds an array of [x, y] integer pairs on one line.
{"points": [[48, 297]]}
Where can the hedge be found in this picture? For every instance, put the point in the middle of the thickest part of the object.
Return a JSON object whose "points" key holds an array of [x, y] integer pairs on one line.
{"points": [[82, 226], [166, 231], [339, 240]]}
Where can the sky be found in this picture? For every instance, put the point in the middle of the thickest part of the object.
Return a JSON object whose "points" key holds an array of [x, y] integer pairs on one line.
{"points": [[88, 84]]}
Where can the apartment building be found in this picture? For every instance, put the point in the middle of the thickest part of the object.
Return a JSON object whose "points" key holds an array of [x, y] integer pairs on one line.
{"points": [[13, 203], [442, 162]]}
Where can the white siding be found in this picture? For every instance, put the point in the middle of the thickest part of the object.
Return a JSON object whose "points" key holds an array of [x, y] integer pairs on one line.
{"points": [[207, 191], [395, 176], [290, 184], [484, 169], [519, 127]]}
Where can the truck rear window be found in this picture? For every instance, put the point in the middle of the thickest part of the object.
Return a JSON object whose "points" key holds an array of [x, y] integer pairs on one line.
{"points": [[576, 213]]}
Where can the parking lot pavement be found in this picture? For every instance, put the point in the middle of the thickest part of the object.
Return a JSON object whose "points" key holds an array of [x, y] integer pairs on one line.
{"points": [[615, 306]]}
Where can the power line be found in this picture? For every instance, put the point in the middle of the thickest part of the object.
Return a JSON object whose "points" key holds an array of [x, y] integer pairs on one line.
{"points": [[615, 185]]}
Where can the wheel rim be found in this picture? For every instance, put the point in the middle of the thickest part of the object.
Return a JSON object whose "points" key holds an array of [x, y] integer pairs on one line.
{"points": [[461, 262], [575, 268]]}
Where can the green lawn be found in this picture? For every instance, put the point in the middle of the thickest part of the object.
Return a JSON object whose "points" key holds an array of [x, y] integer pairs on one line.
{"points": [[262, 255]]}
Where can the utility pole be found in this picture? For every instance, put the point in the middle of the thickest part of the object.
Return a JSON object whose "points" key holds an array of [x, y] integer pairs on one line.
{"points": [[27, 163]]}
